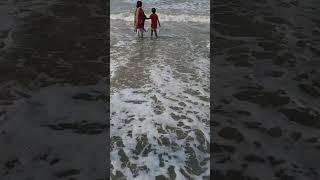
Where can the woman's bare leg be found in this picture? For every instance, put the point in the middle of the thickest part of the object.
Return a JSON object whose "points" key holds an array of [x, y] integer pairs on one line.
{"points": [[140, 32]]}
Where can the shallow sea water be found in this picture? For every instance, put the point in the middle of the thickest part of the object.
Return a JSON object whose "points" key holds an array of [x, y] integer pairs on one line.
{"points": [[160, 92]]}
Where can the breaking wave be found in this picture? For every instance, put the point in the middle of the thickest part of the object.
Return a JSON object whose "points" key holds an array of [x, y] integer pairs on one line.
{"points": [[165, 18]]}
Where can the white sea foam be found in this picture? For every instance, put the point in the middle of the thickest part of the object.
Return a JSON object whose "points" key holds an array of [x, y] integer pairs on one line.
{"points": [[169, 91], [165, 18], [175, 67], [199, 6]]}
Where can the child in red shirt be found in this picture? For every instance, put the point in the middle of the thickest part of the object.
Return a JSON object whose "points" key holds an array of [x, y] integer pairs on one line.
{"points": [[154, 22]]}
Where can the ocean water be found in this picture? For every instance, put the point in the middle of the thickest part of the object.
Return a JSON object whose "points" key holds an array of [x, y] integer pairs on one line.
{"points": [[52, 101], [160, 92]]}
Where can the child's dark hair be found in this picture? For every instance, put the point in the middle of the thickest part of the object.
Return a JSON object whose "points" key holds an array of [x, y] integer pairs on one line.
{"points": [[139, 4], [153, 10]]}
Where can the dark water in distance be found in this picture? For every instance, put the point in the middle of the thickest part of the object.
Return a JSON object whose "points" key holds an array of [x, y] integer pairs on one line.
{"points": [[52, 90], [266, 91]]}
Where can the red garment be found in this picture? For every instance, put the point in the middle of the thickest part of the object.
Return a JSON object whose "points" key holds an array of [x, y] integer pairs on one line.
{"points": [[139, 18], [154, 21]]}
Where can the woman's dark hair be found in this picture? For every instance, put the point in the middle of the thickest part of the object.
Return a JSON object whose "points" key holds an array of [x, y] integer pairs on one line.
{"points": [[139, 4]]}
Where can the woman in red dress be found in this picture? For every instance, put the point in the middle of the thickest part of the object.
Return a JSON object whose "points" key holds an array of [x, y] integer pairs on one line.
{"points": [[139, 18]]}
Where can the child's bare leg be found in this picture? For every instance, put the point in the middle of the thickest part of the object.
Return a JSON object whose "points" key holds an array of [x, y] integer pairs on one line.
{"points": [[151, 33], [155, 33]]}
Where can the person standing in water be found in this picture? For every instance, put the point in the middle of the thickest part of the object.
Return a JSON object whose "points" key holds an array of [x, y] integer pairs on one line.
{"points": [[154, 22], [139, 18]]}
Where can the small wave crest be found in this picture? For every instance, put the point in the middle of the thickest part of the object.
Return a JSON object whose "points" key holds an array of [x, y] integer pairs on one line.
{"points": [[193, 5], [166, 18]]}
